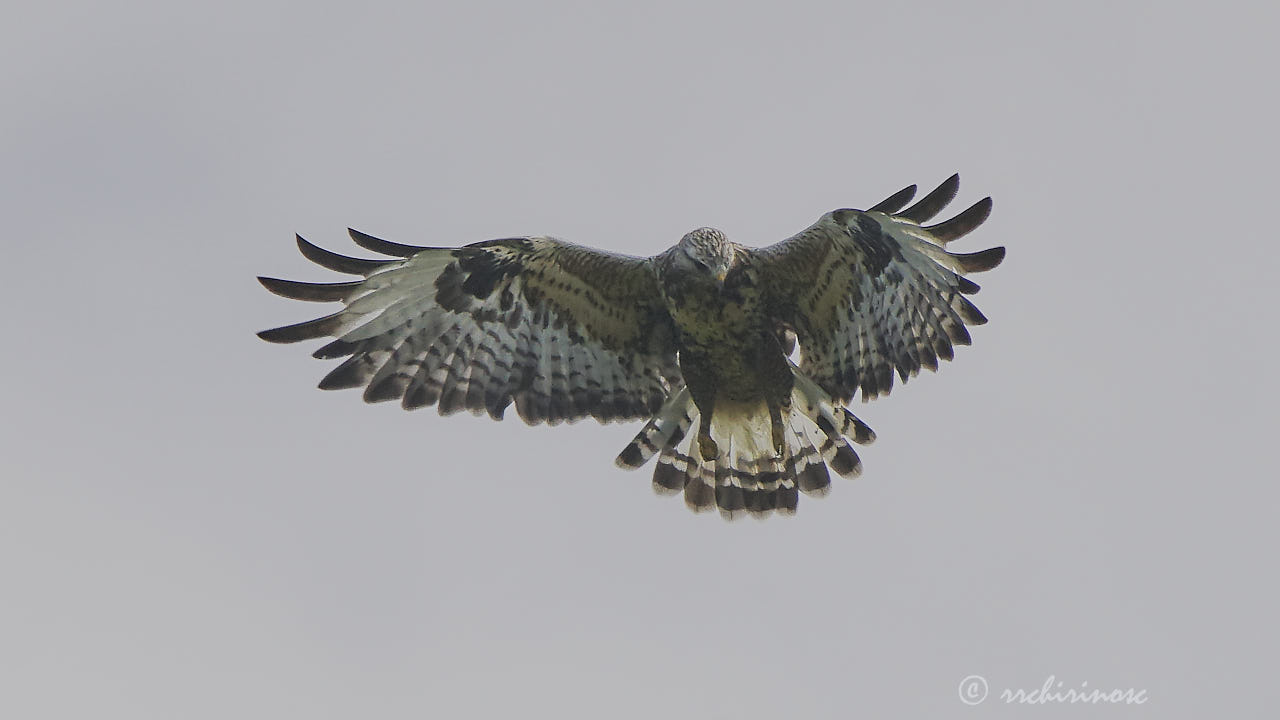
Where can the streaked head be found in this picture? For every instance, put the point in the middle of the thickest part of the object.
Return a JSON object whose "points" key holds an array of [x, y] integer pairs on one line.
{"points": [[706, 252]]}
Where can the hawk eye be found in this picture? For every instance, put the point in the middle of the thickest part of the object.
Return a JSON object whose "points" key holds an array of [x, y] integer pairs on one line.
{"points": [[789, 335]]}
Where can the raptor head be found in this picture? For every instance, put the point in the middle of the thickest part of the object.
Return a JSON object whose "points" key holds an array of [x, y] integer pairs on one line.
{"points": [[704, 255]]}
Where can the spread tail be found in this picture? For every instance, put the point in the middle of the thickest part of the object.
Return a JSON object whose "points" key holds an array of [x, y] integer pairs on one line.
{"points": [[748, 474]]}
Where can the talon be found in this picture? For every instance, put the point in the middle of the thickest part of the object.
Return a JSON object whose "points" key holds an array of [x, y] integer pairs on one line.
{"points": [[708, 447]]}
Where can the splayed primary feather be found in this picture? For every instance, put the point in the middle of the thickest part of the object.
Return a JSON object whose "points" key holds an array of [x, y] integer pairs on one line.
{"points": [[697, 340]]}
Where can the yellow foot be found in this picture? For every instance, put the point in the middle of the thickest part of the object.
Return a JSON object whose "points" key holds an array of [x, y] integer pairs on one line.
{"points": [[779, 440], [779, 435], [708, 447]]}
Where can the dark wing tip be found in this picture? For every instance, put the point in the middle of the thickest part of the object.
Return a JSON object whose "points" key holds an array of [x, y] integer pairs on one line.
{"points": [[390, 388], [310, 292], [336, 262], [320, 327], [962, 224], [378, 245], [980, 261], [896, 201], [967, 286], [352, 373], [336, 349], [933, 203], [286, 334], [968, 312]]}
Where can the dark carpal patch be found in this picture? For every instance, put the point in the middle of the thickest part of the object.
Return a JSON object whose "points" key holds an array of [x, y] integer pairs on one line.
{"points": [[564, 332], [878, 248], [485, 270], [449, 292]]}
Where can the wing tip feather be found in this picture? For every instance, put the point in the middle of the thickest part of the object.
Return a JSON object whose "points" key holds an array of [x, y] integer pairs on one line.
{"points": [[895, 202], [963, 223], [385, 247], [980, 261], [338, 263], [933, 203], [305, 291]]}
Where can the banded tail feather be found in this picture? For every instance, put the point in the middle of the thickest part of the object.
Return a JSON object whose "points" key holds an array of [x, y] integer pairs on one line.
{"points": [[748, 476], [558, 332]]}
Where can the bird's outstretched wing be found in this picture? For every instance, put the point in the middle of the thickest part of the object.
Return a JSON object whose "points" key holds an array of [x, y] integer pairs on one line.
{"points": [[563, 331], [871, 292]]}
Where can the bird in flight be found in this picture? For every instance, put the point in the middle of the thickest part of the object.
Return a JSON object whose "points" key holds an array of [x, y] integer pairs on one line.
{"points": [[741, 360]]}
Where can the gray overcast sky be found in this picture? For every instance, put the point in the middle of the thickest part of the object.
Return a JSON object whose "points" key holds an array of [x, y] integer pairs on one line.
{"points": [[189, 529]]}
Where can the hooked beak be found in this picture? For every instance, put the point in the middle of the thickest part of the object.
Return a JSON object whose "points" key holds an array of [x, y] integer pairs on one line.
{"points": [[720, 276]]}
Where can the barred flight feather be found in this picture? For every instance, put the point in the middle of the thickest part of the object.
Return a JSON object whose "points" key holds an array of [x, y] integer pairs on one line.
{"points": [[529, 320], [742, 361], [903, 306]]}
